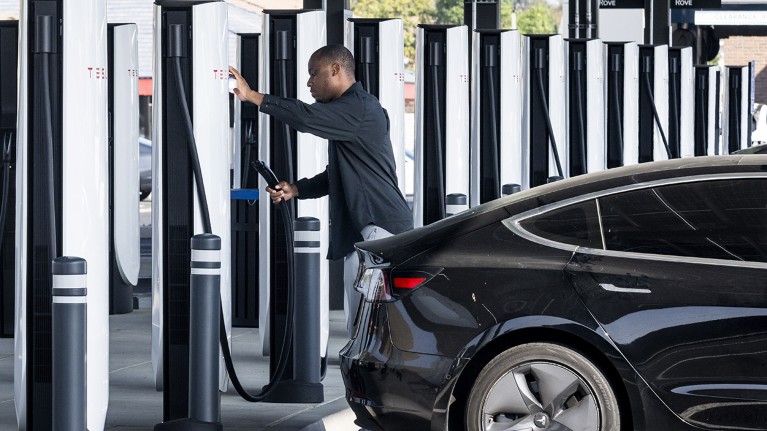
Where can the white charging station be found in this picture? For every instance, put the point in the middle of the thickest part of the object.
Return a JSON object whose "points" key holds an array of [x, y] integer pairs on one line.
{"points": [[442, 139], [548, 71], [306, 29], [621, 103], [496, 112], [585, 98], [175, 206], [707, 115], [70, 50], [653, 74], [124, 165], [384, 37], [735, 121], [682, 99]]}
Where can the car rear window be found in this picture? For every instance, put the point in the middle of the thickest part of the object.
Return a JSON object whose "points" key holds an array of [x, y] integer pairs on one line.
{"points": [[722, 219], [576, 224]]}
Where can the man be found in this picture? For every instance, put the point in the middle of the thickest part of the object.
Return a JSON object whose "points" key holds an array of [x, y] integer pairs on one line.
{"points": [[360, 178]]}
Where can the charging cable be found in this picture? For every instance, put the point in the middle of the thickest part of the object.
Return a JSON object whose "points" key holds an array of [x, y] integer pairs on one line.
{"points": [[538, 62]]}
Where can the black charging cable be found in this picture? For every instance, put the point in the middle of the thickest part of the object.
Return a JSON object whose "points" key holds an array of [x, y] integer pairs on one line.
{"points": [[250, 142], [701, 128], [205, 216], [435, 60], [579, 100], [673, 72], [734, 102], [491, 65], [44, 47], [538, 64], [7, 142], [646, 69], [615, 68], [366, 58]]}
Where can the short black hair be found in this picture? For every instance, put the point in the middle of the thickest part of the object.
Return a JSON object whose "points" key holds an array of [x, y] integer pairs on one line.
{"points": [[337, 54]]}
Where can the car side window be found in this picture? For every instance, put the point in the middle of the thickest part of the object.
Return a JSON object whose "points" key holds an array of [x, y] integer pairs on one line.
{"points": [[576, 224], [723, 219]]}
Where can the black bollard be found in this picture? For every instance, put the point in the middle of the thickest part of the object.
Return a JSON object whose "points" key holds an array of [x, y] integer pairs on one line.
{"points": [[204, 310], [510, 189], [455, 203], [69, 343], [306, 339]]}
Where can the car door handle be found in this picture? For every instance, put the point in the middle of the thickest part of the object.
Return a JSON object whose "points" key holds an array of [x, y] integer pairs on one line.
{"points": [[613, 288]]}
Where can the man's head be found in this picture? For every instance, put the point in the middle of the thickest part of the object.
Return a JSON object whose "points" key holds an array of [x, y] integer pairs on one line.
{"points": [[331, 72]]}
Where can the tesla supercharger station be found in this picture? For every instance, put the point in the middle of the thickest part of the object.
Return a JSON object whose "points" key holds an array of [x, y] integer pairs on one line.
{"points": [[245, 133], [202, 30], [9, 56], [681, 137], [621, 103], [496, 112], [544, 104], [736, 121], [441, 185], [707, 85], [62, 195], [653, 99], [244, 211], [379, 58], [124, 255], [585, 106], [289, 39]]}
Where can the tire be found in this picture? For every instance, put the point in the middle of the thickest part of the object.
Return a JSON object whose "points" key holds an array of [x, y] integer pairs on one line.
{"points": [[537, 386]]}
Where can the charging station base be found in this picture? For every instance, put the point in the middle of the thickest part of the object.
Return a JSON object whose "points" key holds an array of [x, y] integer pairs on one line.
{"points": [[188, 425], [292, 391]]}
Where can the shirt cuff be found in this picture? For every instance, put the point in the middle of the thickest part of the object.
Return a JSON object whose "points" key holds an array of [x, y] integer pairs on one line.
{"points": [[266, 102]]}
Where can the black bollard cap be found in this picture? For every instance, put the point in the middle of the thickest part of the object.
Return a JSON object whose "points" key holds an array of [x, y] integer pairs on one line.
{"points": [[456, 199], [306, 224], [69, 265], [206, 241], [510, 189]]}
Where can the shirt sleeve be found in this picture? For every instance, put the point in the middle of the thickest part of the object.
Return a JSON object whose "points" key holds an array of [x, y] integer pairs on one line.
{"points": [[335, 120], [315, 187]]}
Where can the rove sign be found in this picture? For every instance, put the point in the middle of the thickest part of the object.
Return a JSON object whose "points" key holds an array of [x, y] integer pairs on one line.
{"points": [[675, 4]]}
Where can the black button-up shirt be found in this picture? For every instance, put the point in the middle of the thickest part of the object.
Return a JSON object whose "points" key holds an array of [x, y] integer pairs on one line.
{"points": [[360, 177]]}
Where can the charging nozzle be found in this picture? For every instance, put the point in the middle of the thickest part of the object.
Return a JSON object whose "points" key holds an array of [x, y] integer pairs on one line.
{"points": [[45, 34], [282, 49], [615, 63], [578, 61], [176, 40], [435, 57], [7, 141], [266, 173], [491, 55], [539, 61], [366, 50]]}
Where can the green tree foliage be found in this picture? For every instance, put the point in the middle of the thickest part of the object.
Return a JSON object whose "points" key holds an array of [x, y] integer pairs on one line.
{"points": [[412, 12], [537, 19]]}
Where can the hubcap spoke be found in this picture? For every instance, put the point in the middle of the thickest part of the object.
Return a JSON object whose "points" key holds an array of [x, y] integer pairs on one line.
{"points": [[553, 394], [580, 416], [509, 398]]}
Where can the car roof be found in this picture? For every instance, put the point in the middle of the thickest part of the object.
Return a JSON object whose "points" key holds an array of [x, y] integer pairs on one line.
{"points": [[409, 243]]}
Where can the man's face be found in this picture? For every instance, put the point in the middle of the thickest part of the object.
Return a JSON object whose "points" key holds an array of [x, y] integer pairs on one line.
{"points": [[322, 78]]}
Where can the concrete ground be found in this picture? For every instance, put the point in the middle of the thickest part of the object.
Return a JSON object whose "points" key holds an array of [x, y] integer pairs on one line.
{"points": [[135, 405]]}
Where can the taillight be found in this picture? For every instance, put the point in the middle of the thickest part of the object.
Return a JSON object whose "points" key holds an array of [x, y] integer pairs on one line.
{"points": [[405, 280], [386, 284], [374, 285]]}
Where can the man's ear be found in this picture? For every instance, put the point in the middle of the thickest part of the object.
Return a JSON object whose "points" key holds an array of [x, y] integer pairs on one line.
{"points": [[336, 68]]}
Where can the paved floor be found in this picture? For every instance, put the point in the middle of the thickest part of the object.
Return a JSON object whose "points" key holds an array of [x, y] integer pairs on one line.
{"points": [[134, 405]]}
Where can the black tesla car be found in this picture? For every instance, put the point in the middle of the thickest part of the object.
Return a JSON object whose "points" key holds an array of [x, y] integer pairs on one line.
{"points": [[629, 299]]}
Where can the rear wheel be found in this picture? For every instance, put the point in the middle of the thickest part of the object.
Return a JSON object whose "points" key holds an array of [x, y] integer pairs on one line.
{"points": [[541, 386]]}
